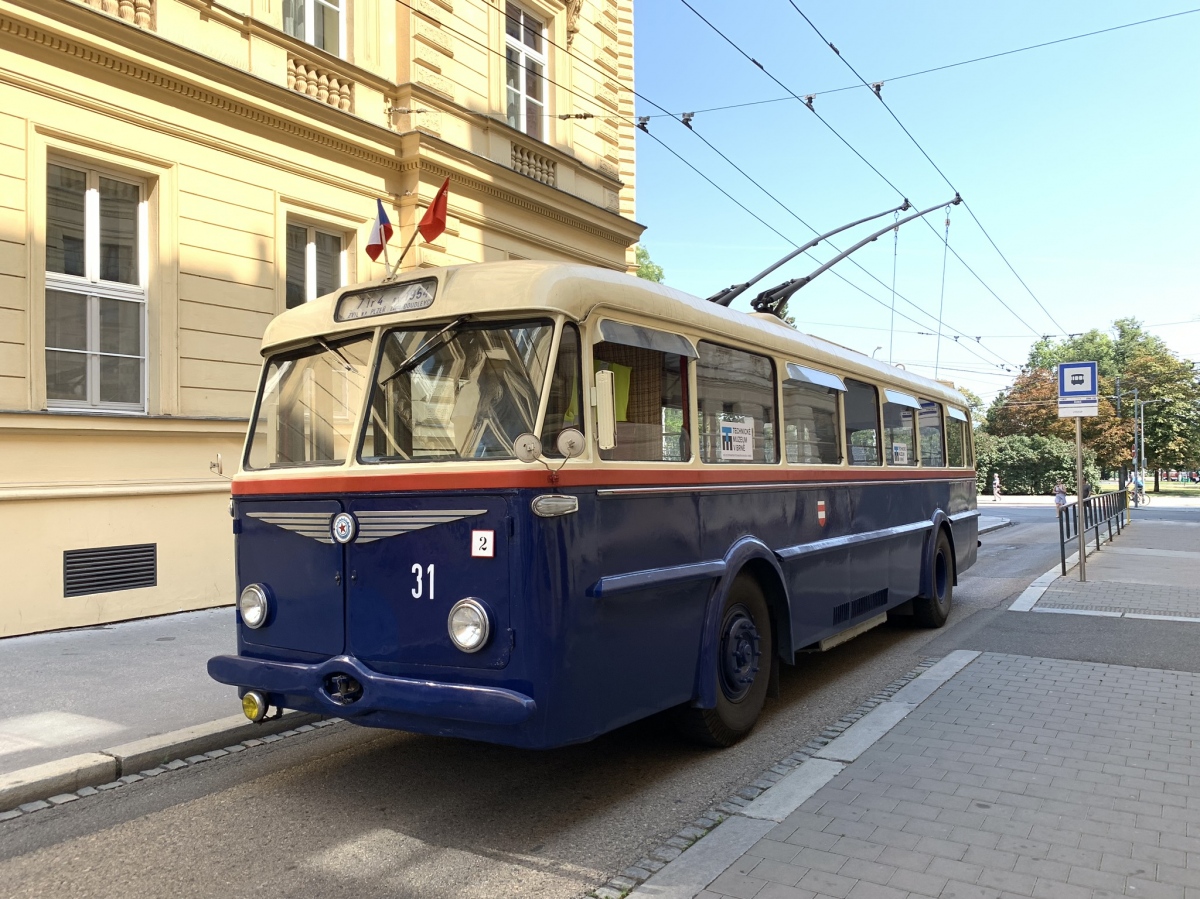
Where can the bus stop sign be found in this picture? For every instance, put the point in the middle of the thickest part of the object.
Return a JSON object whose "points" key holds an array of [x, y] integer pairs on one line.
{"points": [[1078, 392]]}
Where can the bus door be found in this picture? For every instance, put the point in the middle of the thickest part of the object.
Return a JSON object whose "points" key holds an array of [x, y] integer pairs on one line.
{"points": [[288, 545], [412, 559]]}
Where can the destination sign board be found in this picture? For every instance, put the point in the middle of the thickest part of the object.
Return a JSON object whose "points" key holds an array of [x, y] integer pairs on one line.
{"points": [[386, 299]]}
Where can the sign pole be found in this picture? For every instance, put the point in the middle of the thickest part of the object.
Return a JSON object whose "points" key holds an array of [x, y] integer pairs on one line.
{"points": [[1079, 396], [1080, 524]]}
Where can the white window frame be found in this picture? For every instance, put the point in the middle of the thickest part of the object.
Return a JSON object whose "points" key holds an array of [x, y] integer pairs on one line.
{"points": [[310, 7], [310, 257], [526, 55], [94, 289]]}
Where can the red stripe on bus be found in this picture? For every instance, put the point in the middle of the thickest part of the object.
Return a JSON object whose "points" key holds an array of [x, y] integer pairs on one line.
{"points": [[422, 481]]}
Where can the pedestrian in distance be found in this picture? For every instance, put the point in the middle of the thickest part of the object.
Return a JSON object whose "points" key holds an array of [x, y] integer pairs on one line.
{"points": [[1060, 495], [996, 487], [1087, 489]]}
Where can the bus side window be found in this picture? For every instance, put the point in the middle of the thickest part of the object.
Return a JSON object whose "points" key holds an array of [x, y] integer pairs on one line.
{"points": [[651, 414], [956, 442], [932, 452], [862, 423], [810, 420], [899, 434], [736, 397]]}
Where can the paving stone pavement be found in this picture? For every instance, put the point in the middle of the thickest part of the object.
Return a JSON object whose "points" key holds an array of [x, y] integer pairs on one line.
{"points": [[1019, 777]]}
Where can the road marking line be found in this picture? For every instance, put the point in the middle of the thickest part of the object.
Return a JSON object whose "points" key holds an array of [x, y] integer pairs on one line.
{"points": [[1096, 614]]}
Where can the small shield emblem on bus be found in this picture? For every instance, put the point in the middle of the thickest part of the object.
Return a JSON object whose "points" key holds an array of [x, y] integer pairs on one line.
{"points": [[343, 527], [821, 512]]}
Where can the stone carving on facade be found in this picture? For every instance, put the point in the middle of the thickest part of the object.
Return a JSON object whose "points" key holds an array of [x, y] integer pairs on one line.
{"points": [[574, 8]]}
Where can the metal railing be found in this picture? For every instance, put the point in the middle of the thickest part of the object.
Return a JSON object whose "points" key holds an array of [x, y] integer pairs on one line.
{"points": [[1098, 511]]}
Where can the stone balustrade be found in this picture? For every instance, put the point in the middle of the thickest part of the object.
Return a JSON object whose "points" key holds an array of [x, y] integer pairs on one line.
{"points": [[135, 12], [326, 86]]}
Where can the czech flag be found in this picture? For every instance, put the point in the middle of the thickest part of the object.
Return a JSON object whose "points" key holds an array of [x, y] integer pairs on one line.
{"points": [[381, 232], [433, 222]]}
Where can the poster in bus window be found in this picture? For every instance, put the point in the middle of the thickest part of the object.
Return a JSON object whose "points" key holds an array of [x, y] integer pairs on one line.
{"points": [[737, 439], [899, 454]]}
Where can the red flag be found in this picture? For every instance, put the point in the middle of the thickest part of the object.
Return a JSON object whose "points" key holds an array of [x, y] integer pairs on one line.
{"points": [[433, 222]]}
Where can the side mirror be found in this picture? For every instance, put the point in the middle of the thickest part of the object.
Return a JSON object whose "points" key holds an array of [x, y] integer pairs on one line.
{"points": [[527, 448], [570, 443], [606, 404]]}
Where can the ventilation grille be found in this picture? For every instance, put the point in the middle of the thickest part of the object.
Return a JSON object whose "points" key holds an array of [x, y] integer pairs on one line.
{"points": [[109, 568], [860, 606]]}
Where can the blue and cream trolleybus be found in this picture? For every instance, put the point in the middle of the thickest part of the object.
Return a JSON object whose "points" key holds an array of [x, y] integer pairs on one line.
{"points": [[528, 503]]}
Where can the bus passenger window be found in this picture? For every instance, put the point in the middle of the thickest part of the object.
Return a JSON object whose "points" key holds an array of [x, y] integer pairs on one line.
{"points": [[565, 404], [899, 435], [651, 414], [932, 453], [956, 442], [862, 423], [810, 423], [736, 397]]}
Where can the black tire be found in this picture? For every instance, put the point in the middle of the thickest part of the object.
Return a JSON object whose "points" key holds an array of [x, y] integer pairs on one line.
{"points": [[743, 669], [933, 610]]}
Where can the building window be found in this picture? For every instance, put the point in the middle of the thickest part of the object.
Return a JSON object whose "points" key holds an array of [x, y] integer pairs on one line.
{"points": [[96, 255], [321, 23], [315, 264], [525, 46]]}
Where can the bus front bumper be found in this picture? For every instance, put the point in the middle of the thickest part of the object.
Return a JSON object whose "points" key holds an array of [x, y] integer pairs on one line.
{"points": [[379, 692]]}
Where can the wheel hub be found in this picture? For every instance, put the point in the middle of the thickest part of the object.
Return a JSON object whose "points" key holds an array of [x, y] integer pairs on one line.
{"points": [[740, 653]]}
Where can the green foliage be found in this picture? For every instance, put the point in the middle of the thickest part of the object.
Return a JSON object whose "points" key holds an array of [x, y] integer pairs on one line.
{"points": [[1166, 384], [1028, 465], [646, 267]]}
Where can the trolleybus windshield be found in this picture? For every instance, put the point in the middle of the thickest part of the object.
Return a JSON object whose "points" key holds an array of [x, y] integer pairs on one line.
{"points": [[465, 393], [308, 405]]}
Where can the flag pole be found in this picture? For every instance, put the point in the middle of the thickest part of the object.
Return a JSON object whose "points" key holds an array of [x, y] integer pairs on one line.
{"points": [[403, 253]]}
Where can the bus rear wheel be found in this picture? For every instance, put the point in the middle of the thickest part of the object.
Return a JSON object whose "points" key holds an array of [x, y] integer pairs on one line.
{"points": [[933, 610], [743, 669]]}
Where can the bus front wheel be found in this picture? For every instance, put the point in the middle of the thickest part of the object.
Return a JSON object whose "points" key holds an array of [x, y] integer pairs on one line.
{"points": [[743, 668], [934, 609]]}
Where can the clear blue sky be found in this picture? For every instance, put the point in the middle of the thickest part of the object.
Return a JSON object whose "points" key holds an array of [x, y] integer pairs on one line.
{"points": [[1080, 160]]}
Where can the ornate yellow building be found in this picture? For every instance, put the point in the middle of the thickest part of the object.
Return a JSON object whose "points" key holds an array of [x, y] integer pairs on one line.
{"points": [[173, 173]]}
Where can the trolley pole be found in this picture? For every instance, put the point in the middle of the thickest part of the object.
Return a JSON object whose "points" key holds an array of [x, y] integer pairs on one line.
{"points": [[1081, 524]]}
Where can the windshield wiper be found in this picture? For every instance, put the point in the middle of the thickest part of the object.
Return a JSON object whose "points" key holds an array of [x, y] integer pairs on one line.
{"points": [[335, 351], [436, 341]]}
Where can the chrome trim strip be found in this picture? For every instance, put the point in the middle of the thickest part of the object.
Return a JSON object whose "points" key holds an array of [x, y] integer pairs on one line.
{"points": [[778, 485], [384, 523], [656, 577], [970, 513], [789, 553], [314, 525]]}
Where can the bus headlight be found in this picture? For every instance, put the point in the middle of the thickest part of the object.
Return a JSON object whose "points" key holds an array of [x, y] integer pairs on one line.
{"points": [[469, 625], [254, 606]]}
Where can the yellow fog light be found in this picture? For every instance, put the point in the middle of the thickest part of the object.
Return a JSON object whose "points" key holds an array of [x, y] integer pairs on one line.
{"points": [[254, 704]]}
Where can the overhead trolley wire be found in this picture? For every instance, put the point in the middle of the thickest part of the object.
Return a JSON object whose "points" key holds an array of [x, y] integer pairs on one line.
{"points": [[809, 106], [875, 89], [952, 65]]}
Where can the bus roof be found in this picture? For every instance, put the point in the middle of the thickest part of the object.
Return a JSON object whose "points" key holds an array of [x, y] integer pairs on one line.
{"points": [[578, 290]]}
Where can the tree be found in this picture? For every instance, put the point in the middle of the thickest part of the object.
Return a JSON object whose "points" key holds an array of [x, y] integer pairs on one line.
{"points": [[645, 265], [1029, 464], [1030, 407], [1140, 360]]}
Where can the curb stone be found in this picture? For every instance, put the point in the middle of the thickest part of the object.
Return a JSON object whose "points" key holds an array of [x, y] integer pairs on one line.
{"points": [[621, 885], [27, 790]]}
